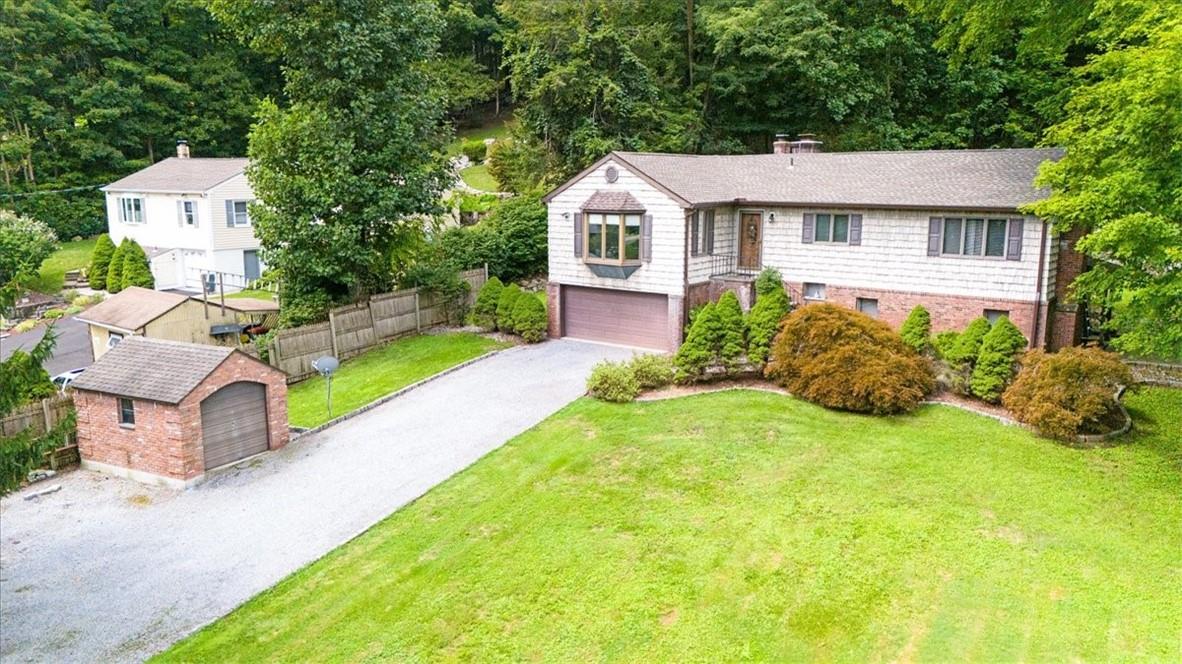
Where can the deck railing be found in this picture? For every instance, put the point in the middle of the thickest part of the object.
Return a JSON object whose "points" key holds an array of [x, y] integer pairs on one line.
{"points": [[722, 265]]}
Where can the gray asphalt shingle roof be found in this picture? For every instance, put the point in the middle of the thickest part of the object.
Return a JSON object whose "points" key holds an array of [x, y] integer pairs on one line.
{"points": [[132, 308], [988, 179], [613, 201], [181, 175], [152, 369]]}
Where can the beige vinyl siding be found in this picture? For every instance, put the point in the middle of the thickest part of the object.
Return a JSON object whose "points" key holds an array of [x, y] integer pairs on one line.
{"points": [[187, 322], [725, 229], [663, 274], [224, 237], [893, 256]]}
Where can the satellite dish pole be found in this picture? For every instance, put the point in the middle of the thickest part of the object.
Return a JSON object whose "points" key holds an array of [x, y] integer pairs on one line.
{"points": [[326, 366]]}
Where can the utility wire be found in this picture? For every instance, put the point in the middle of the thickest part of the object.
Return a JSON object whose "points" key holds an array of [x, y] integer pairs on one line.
{"points": [[51, 191]]}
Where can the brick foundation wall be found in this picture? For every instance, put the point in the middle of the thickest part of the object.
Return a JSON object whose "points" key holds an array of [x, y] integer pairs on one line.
{"points": [[1067, 321], [554, 309], [709, 291]]}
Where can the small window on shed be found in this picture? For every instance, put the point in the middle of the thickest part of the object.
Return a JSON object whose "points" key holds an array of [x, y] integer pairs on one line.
{"points": [[126, 412], [868, 306], [113, 339], [814, 291], [993, 314]]}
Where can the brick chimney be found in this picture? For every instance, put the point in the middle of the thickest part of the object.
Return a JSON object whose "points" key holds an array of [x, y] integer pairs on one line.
{"points": [[806, 143], [781, 145], [182, 149]]}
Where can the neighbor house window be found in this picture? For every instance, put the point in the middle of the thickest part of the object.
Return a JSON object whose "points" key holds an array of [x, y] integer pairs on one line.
{"points": [[702, 233], [131, 210], [868, 306], [613, 237], [814, 291], [831, 228], [189, 213], [974, 237], [992, 315], [113, 339], [126, 412], [240, 215]]}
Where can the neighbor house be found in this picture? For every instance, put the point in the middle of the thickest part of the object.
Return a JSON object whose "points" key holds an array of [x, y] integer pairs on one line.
{"points": [[192, 217], [143, 312], [638, 239]]}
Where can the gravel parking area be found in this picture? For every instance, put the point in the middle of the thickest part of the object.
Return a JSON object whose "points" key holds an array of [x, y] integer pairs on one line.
{"points": [[110, 570]]}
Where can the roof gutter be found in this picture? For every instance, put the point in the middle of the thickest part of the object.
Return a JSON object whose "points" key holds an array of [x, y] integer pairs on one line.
{"points": [[107, 326], [862, 205]]}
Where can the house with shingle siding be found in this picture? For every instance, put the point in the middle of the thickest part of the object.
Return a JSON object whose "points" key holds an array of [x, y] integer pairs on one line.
{"points": [[639, 239], [192, 217]]}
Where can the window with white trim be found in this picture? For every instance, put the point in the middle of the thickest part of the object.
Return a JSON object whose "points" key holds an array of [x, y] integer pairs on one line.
{"points": [[189, 213], [131, 210], [241, 214], [702, 233], [974, 236], [612, 238], [126, 412], [113, 339], [814, 291], [831, 228]]}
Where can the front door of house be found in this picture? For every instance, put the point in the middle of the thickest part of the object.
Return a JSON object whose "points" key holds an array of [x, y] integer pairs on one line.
{"points": [[250, 267], [750, 240]]}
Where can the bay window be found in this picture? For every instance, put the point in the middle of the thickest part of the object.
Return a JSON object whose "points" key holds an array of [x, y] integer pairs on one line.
{"points": [[613, 237]]}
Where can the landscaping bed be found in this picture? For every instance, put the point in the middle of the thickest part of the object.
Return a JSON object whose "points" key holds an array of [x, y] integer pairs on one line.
{"points": [[753, 525]]}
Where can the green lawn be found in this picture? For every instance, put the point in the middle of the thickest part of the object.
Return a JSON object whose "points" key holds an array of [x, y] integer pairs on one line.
{"points": [[381, 371], [478, 177], [497, 128], [752, 526], [69, 256], [257, 294]]}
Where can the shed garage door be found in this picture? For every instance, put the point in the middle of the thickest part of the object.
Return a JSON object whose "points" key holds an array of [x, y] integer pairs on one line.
{"points": [[622, 317], [234, 423]]}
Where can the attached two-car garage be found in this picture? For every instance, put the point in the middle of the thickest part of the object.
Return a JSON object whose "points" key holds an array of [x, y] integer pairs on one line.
{"points": [[616, 316]]}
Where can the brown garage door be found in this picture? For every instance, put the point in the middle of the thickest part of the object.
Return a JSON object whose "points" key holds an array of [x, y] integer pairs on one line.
{"points": [[234, 423], [622, 317]]}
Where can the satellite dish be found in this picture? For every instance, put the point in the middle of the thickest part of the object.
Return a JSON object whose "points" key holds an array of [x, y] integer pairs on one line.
{"points": [[326, 365]]}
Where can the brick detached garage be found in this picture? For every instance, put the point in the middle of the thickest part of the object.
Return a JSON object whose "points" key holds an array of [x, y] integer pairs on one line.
{"points": [[165, 411]]}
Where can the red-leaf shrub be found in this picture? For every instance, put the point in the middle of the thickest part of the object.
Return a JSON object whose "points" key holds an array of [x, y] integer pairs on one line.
{"points": [[1067, 393]]}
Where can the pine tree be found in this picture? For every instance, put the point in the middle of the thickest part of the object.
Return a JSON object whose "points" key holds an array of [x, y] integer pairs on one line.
{"points": [[100, 261], [763, 321], [917, 329], [484, 312], [115, 268], [996, 361], [137, 271]]}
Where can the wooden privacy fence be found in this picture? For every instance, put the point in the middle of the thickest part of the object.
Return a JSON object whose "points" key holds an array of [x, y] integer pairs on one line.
{"points": [[355, 328], [40, 417]]}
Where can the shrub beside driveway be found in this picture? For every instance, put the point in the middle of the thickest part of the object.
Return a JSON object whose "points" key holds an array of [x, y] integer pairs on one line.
{"points": [[381, 371]]}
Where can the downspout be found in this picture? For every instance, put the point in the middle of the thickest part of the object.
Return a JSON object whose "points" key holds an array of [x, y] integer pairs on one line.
{"points": [[685, 268], [1042, 258]]}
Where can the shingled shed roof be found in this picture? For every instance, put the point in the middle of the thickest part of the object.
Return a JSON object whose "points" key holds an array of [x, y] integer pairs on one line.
{"points": [[132, 308], [919, 179], [152, 369], [613, 201], [175, 175]]}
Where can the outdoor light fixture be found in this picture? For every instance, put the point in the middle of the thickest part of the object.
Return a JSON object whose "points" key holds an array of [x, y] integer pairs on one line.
{"points": [[771, 217]]}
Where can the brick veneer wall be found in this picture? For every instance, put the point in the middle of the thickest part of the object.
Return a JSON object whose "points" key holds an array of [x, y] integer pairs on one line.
{"points": [[166, 438], [1067, 319]]}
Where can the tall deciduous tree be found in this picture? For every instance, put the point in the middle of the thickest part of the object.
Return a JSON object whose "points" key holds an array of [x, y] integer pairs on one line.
{"points": [[349, 166]]}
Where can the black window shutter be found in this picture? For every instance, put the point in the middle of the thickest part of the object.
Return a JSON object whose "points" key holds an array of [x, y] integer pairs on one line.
{"points": [[578, 234], [810, 227], [695, 232], [646, 238], [935, 226], [855, 229], [230, 213], [1014, 245]]}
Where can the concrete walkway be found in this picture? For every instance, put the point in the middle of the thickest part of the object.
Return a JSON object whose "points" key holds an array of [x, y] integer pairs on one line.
{"points": [[109, 570]]}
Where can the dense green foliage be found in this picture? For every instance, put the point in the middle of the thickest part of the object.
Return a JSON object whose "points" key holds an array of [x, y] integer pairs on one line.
{"points": [[944, 343], [715, 344], [484, 311], [443, 285], [22, 380], [652, 371], [137, 271], [968, 343], [100, 262], [613, 381], [763, 321], [917, 329], [351, 161], [505, 304], [24, 243], [529, 318], [511, 240], [996, 362], [1070, 392], [115, 268], [844, 359]]}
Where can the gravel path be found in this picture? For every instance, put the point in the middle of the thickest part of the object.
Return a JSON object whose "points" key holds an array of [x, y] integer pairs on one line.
{"points": [[110, 570]]}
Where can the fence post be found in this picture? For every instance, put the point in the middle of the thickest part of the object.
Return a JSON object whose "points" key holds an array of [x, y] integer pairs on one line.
{"points": [[45, 413], [273, 351], [332, 332], [418, 313]]}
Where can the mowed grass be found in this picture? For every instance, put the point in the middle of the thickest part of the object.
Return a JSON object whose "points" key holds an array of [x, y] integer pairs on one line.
{"points": [[752, 526], [478, 177], [68, 256], [381, 371], [254, 293]]}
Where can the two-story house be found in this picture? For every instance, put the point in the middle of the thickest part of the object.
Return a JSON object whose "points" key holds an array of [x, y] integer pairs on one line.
{"points": [[192, 217], [638, 239]]}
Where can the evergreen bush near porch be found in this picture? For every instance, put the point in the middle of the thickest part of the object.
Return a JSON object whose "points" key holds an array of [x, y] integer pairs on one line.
{"points": [[995, 363], [100, 262], [917, 329], [771, 305], [505, 304], [137, 271], [484, 311], [115, 268], [529, 318]]}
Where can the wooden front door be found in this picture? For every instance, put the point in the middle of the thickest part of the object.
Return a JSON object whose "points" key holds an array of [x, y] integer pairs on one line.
{"points": [[750, 239]]}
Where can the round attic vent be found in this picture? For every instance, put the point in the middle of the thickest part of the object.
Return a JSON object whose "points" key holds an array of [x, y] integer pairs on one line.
{"points": [[611, 174]]}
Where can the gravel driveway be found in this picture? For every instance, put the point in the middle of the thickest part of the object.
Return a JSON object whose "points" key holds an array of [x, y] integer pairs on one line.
{"points": [[110, 570]]}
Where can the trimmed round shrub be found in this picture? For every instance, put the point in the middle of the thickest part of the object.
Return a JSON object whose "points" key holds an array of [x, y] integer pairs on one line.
{"points": [[529, 318], [731, 346], [505, 304], [115, 268], [53, 314], [995, 364], [771, 305], [945, 342], [475, 150], [137, 271], [917, 329], [613, 381], [696, 354], [769, 280], [652, 371], [1067, 393], [100, 262], [484, 312], [968, 343], [843, 359]]}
